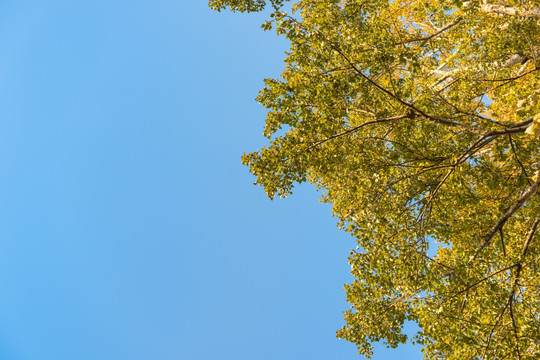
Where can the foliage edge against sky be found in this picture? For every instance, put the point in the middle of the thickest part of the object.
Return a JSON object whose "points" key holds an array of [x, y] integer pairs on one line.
{"points": [[419, 120]]}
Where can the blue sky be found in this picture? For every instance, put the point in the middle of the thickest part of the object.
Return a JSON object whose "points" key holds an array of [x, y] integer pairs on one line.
{"points": [[128, 227]]}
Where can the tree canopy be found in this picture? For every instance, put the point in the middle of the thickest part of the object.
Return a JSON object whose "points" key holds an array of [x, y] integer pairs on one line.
{"points": [[419, 120]]}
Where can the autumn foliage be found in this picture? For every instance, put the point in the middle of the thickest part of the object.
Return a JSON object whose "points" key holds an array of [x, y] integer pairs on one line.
{"points": [[420, 122]]}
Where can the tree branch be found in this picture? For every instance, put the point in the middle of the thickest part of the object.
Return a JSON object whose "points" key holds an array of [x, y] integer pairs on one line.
{"points": [[470, 286], [519, 162], [514, 327], [490, 336], [377, 121], [510, 10], [530, 191], [515, 285], [426, 38], [529, 240]]}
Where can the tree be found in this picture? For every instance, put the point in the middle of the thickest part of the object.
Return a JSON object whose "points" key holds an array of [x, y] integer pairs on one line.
{"points": [[420, 122]]}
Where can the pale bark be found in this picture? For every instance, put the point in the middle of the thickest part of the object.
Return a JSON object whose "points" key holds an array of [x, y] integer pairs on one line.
{"points": [[510, 10]]}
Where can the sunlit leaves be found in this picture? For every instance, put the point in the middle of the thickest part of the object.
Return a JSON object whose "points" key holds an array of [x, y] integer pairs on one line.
{"points": [[419, 121]]}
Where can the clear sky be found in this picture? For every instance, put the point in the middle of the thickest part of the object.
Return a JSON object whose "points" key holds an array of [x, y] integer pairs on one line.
{"points": [[128, 227]]}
